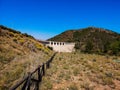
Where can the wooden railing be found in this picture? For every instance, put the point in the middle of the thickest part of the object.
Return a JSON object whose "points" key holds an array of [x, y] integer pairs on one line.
{"points": [[28, 81]]}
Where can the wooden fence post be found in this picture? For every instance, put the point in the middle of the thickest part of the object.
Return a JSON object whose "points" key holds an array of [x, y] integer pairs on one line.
{"points": [[27, 83], [39, 74], [47, 64], [43, 69]]}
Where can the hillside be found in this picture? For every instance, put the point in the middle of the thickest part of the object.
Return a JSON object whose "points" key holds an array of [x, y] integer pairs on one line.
{"points": [[78, 71], [19, 53], [92, 39]]}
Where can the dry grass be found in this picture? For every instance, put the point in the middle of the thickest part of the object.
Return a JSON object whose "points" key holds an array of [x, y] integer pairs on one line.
{"points": [[19, 54], [18, 68], [12, 44], [77, 71]]}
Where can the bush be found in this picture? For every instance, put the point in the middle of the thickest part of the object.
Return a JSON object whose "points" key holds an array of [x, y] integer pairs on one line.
{"points": [[107, 81], [9, 29], [73, 87], [25, 34], [51, 48], [22, 41], [115, 47], [89, 47], [15, 40], [76, 71]]}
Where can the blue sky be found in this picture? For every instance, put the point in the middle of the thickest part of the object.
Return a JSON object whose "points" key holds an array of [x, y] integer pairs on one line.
{"points": [[45, 18]]}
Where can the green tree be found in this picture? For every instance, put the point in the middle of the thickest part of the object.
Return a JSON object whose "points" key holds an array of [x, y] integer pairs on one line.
{"points": [[106, 47], [115, 47], [89, 47]]}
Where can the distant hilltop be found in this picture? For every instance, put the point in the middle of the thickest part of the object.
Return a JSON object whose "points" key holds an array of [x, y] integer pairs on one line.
{"points": [[92, 40]]}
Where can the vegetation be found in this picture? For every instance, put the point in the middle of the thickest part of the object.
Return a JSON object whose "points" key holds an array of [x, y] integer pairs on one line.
{"points": [[89, 47], [92, 40], [115, 48], [78, 71], [9, 29], [19, 53]]}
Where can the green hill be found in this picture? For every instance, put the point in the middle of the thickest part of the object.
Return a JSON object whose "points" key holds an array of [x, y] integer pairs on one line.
{"points": [[92, 40]]}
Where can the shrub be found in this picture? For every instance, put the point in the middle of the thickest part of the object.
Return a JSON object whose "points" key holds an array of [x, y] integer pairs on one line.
{"points": [[85, 86], [15, 40], [115, 47], [21, 41], [51, 48], [89, 47], [73, 87], [25, 34], [11, 34], [107, 81], [38, 46], [9, 29], [76, 71]]}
